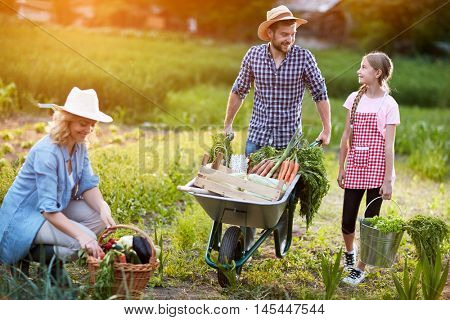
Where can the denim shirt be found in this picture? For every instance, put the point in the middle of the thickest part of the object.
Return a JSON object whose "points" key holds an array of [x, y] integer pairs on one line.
{"points": [[42, 185]]}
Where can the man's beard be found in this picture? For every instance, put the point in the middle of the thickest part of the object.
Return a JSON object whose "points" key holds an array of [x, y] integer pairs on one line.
{"points": [[279, 46]]}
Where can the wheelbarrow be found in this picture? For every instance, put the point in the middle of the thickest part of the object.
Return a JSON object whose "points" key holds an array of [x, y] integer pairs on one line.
{"points": [[273, 217]]}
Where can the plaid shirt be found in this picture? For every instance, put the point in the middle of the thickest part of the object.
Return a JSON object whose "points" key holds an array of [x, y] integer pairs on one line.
{"points": [[279, 92]]}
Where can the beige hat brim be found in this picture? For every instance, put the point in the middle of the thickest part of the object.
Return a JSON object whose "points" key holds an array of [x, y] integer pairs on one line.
{"points": [[99, 116], [262, 29]]}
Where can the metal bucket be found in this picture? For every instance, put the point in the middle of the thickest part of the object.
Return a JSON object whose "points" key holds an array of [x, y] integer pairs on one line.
{"points": [[377, 248]]}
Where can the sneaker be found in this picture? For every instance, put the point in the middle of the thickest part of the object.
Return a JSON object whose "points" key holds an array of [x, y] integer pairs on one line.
{"points": [[355, 277], [350, 259]]}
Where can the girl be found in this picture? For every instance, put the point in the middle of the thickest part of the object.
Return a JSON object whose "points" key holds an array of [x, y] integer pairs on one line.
{"points": [[54, 201], [366, 160]]}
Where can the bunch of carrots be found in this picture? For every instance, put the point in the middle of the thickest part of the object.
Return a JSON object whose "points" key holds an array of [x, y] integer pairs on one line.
{"points": [[282, 167], [286, 171]]}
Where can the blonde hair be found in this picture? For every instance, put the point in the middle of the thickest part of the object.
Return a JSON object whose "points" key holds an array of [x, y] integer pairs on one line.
{"points": [[379, 61], [59, 130]]}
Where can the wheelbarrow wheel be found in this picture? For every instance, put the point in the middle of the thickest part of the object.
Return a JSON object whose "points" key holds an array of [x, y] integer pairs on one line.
{"points": [[231, 248]]}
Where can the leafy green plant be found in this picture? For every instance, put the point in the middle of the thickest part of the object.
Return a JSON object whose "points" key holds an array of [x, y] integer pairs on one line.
{"points": [[26, 144], [16, 285], [159, 243], [229, 273], [7, 148], [408, 289], [7, 136], [9, 100], [331, 273], [104, 278], [314, 184], [434, 276], [40, 127], [220, 144], [427, 234], [386, 224]]}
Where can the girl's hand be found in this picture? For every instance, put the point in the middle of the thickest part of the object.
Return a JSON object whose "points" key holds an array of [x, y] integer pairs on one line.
{"points": [[105, 214], [386, 190], [90, 245], [341, 178]]}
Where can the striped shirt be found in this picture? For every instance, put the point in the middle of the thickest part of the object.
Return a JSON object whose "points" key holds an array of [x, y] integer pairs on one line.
{"points": [[278, 92]]}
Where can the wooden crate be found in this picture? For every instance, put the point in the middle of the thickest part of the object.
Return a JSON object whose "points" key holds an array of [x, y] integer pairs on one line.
{"points": [[216, 178]]}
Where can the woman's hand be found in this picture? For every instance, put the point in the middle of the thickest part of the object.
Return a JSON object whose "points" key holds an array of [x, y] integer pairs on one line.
{"points": [[341, 178], [105, 214], [386, 190], [90, 245]]}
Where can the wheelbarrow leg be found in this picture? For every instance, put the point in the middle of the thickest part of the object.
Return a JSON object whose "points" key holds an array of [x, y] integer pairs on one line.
{"points": [[283, 231]]}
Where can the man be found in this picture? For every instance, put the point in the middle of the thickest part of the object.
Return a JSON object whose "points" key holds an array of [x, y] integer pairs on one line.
{"points": [[279, 71]]}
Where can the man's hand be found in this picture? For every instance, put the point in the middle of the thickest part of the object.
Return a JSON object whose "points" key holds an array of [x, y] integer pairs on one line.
{"points": [[228, 130], [325, 136]]}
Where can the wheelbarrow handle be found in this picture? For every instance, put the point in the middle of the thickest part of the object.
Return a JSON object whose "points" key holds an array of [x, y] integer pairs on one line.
{"points": [[316, 143]]}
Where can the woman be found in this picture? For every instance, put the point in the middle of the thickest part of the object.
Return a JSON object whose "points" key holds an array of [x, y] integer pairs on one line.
{"points": [[55, 200]]}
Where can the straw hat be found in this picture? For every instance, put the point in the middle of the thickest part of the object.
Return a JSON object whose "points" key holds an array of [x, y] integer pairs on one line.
{"points": [[279, 13], [83, 103]]}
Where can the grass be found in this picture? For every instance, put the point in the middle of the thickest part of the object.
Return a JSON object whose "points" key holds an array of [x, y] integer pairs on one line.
{"points": [[133, 72], [139, 181], [141, 167]]}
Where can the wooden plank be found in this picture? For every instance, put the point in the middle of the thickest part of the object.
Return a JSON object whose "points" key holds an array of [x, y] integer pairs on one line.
{"points": [[250, 186], [226, 191], [221, 168], [217, 161], [205, 159]]}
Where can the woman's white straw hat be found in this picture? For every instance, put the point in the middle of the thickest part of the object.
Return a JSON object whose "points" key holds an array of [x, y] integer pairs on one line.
{"points": [[83, 103], [279, 13]]}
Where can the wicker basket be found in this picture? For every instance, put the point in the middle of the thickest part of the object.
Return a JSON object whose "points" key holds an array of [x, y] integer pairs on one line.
{"points": [[129, 279]]}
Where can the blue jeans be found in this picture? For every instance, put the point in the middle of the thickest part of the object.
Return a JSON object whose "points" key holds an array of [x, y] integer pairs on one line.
{"points": [[250, 233], [251, 147]]}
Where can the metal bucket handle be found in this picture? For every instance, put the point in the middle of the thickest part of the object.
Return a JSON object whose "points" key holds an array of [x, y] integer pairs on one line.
{"points": [[398, 206]]}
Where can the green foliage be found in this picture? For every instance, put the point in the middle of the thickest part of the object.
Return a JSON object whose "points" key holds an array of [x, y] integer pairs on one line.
{"points": [[17, 286], [6, 135], [408, 289], [26, 144], [220, 144], [9, 101], [427, 233], [314, 184], [265, 152], [434, 276], [40, 127], [386, 224], [104, 278], [376, 23], [331, 273], [7, 148], [157, 280]]}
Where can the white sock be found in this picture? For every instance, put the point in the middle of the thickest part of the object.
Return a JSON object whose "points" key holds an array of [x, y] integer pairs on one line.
{"points": [[351, 252]]}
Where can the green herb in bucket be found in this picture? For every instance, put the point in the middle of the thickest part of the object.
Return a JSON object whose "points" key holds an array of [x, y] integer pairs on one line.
{"points": [[386, 224]]}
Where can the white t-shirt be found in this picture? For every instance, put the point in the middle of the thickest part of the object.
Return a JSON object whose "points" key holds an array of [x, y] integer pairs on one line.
{"points": [[386, 109]]}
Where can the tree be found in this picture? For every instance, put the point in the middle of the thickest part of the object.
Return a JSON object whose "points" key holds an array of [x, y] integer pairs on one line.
{"points": [[400, 25]]}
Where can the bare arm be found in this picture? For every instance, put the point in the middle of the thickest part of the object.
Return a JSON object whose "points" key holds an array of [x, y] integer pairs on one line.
{"points": [[345, 144], [386, 188], [94, 199], [234, 104], [323, 107]]}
